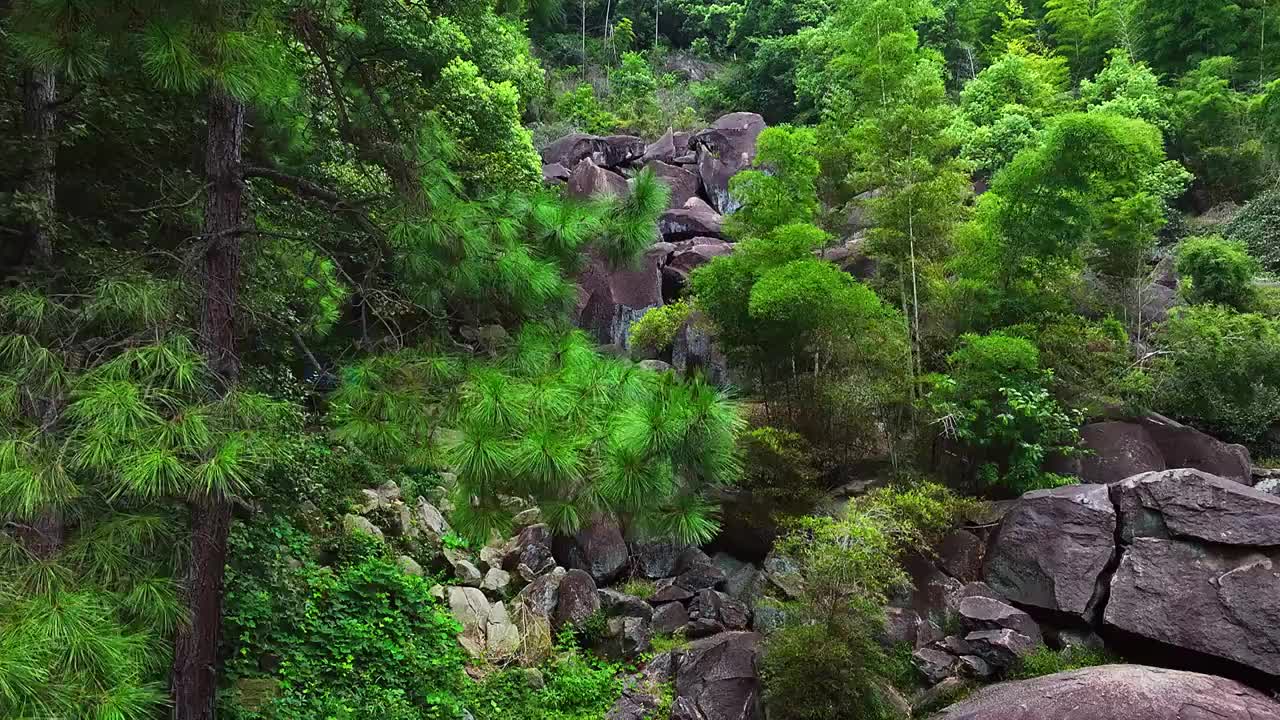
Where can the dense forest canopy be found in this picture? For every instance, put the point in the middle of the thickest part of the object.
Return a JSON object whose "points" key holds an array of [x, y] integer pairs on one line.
{"points": [[259, 255]]}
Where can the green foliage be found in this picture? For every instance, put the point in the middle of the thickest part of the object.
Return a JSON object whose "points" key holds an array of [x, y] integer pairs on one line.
{"points": [[1180, 33], [781, 468], [531, 425], [996, 405], [484, 117], [361, 638], [1092, 369], [1043, 661], [656, 330], [1092, 191], [1129, 89], [581, 107], [827, 660], [1085, 31], [781, 187], [632, 94], [1220, 371], [1217, 271], [1004, 108], [1213, 133], [1258, 227], [577, 687]]}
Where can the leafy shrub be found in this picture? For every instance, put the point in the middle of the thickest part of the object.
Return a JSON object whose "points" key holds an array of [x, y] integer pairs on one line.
{"points": [[781, 468], [1091, 363], [1258, 227], [1216, 271], [996, 404], [360, 639], [1221, 371], [656, 330], [581, 107], [1044, 661], [576, 687], [827, 661]]}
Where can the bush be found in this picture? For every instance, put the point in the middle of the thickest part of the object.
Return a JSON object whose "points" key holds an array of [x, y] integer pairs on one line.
{"points": [[1258, 227], [781, 468], [656, 330], [827, 662], [1217, 271], [1221, 371], [1090, 361], [996, 405], [581, 107]]}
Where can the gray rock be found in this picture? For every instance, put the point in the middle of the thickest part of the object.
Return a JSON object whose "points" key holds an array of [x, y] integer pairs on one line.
{"points": [[1186, 447], [663, 149], [626, 638], [1117, 450], [1053, 547], [634, 705], [471, 609], [723, 150], [502, 637], [784, 574], [695, 351], [712, 612], [955, 645], [934, 664], [619, 604], [430, 520], [669, 591], [657, 366], [902, 626], [577, 600], [1117, 692], [496, 580], [533, 551], [743, 580], [693, 219], [527, 517], [975, 667], [689, 255], [768, 617], [555, 174], [979, 613], [1001, 648], [467, 573], [1193, 504], [931, 593], [718, 678], [1216, 600], [662, 668], [541, 596], [353, 524], [669, 618]]}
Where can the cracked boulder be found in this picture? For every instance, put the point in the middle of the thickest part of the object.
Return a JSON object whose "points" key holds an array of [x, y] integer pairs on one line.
{"points": [[1052, 549], [609, 152], [693, 219], [719, 679], [723, 150]]}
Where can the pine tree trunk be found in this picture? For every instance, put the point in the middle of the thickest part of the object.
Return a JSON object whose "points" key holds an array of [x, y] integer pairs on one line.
{"points": [[39, 100], [195, 648]]}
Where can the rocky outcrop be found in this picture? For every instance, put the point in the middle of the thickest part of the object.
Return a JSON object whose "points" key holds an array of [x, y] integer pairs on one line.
{"points": [[1196, 505], [1119, 449], [693, 219], [611, 298], [1197, 562], [1117, 692], [611, 151], [684, 184], [589, 180], [724, 150], [718, 679], [1053, 547]]}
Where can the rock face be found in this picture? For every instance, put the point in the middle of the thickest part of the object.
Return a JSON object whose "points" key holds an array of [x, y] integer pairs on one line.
{"points": [[693, 219], [1217, 601], [718, 679], [609, 152], [723, 150], [684, 184], [1193, 504], [1052, 548], [589, 180], [577, 599], [1119, 449], [1117, 692], [598, 548], [610, 299]]}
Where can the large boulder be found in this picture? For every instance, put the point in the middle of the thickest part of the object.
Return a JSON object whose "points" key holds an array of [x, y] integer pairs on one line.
{"points": [[589, 180], [683, 184], [1053, 547], [719, 679], [555, 174], [1117, 692], [608, 152], [470, 608], [724, 150], [663, 149], [1191, 504], [695, 351], [531, 555], [690, 255], [577, 599], [597, 548], [656, 559], [695, 218], [611, 299], [1216, 600], [982, 613], [1119, 449]]}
